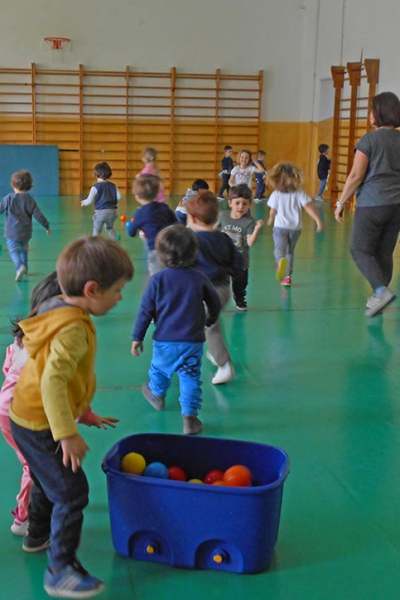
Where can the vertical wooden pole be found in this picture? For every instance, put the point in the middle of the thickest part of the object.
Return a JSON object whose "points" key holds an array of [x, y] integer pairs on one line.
{"points": [[81, 132], [33, 91], [216, 125], [259, 105], [338, 82], [372, 71], [172, 129], [354, 71], [127, 130]]}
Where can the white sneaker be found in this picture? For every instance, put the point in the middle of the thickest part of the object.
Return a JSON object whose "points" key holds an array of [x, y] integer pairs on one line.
{"points": [[211, 359], [223, 374], [258, 200], [221, 198], [19, 528], [20, 273]]}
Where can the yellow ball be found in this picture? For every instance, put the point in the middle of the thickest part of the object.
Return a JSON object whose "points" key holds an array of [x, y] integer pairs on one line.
{"points": [[133, 463], [195, 481]]}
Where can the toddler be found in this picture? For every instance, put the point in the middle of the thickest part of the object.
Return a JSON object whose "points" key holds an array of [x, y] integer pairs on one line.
{"points": [[243, 172], [105, 196], [286, 203], [227, 165], [151, 217], [198, 185], [260, 174], [149, 159], [324, 165], [19, 208], [175, 300], [243, 230]]}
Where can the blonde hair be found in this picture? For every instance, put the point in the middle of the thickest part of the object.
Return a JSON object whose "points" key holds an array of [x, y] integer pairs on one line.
{"points": [[285, 177], [150, 154]]}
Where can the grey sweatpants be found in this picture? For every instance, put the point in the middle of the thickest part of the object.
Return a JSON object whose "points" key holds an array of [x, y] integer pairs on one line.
{"points": [[104, 218], [214, 335], [153, 265], [285, 241]]}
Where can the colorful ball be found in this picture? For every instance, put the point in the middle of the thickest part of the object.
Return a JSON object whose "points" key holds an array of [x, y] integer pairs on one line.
{"points": [[195, 481], [123, 218], [219, 482], [238, 475], [177, 474], [133, 463], [214, 475], [156, 469]]}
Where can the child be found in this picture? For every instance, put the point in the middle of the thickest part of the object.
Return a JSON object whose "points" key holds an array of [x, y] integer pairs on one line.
{"points": [[219, 260], [198, 185], [227, 165], [19, 209], [151, 217], [286, 203], [150, 168], [54, 388], [175, 300], [324, 165], [260, 174], [16, 357], [243, 172], [243, 230], [106, 196]]}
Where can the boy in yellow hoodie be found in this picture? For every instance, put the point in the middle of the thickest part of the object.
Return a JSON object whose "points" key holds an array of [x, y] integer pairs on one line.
{"points": [[55, 388]]}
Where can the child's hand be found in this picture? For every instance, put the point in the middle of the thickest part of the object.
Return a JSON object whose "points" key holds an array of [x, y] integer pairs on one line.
{"points": [[83, 203], [270, 222], [142, 235], [103, 422], [259, 224], [74, 449], [136, 348], [48, 231], [320, 228]]}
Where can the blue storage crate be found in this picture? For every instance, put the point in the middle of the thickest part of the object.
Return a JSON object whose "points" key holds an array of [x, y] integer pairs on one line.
{"points": [[191, 525]]}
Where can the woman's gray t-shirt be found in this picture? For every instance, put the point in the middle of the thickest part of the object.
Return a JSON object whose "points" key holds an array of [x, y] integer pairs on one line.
{"points": [[381, 185]]}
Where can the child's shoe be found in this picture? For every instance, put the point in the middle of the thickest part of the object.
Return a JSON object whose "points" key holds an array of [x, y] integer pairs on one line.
{"points": [[241, 305], [157, 402], [20, 273], [192, 425], [377, 302], [220, 198], [286, 281], [223, 374], [32, 545], [72, 581], [281, 268], [18, 528]]}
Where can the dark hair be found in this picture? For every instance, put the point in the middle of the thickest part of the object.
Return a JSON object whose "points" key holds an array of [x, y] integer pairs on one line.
{"points": [[176, 246], [240, 191], [146, 187], [200, 184], [21, 181], [150, 153], [92, 259], [285, 177], [323, 148], [44, 290], [204, 207], [226, 148], [261, 152], [386, 110], [103, 170]]}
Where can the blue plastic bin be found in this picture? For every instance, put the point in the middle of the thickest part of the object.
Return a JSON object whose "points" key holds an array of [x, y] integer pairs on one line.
{"points": [[191, 525]]}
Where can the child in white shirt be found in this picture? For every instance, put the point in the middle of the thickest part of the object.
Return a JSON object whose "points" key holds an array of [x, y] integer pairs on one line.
{"points": [[286, 203], [243, 173]]}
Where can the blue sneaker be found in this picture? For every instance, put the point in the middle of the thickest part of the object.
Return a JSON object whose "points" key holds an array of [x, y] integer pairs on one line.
{"points": [[73, 581]]}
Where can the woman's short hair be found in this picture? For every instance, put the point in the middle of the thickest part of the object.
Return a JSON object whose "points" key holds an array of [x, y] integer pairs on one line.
{"points": [[386, 110]]}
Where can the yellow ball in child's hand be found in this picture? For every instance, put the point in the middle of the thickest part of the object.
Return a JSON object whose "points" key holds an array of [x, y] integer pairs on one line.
{"points": [[133, 463]]}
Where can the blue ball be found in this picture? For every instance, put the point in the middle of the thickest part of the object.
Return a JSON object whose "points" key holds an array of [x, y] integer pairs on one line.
{"points": [[156, 469]]}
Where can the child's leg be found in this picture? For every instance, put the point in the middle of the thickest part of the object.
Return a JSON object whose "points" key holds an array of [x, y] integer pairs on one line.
{"points": [[294, 236], [188, 368], [55, 486], [225, 185], [23, 254], [153, 264], [260, 188], [239, 285], [161, 368], [109, 220], [98, 222], [21, 511], [322, 186], [214, 335], [14, 252]]}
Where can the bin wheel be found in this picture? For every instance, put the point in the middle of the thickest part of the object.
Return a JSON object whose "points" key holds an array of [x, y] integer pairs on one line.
{"points": [[218, 559], [151, 549]]}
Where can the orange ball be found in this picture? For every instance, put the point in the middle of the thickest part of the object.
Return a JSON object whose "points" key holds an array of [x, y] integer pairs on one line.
{"points": [[123, 218], [238, 475]]}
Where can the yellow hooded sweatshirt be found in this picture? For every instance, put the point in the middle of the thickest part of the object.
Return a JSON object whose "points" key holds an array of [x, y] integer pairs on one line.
{"points": [[57, 382]]}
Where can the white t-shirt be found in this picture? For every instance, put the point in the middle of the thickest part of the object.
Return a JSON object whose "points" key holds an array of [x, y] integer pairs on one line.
{"points": [[288, 208], [243, 175]]}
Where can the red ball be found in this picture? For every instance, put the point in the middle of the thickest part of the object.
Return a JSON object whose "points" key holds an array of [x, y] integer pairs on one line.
{"points": [[123, 218], [219, 482], [238, 475], [214, 475], [177, 474]]}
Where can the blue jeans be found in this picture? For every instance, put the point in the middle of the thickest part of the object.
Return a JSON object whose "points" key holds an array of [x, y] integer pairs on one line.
{"points": [[58, 495], [322, 186], [18, 252], [184, 359], [260, 186]]}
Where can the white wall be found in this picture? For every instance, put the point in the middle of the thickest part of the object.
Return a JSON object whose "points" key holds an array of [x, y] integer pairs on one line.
{"points": [[236, 35]]}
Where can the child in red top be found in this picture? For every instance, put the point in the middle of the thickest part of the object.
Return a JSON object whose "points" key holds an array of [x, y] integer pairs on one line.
{"points": [[149, 159]]}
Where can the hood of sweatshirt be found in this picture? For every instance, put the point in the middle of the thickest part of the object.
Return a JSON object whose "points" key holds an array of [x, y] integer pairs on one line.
{"points": [[38, 330]]}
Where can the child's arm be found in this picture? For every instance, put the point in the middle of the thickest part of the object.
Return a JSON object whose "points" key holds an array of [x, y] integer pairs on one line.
{"points": [[251, 238], [145, 316], [212, 301], [4, 203], [118, 193], [258, 167], [39, 216], [91, 419], [271, 217], [231, 181], [309, 208], [134, 224], [91, 197]]}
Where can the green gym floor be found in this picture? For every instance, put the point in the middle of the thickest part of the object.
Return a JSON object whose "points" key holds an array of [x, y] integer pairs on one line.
{"points": [[313, 377]]}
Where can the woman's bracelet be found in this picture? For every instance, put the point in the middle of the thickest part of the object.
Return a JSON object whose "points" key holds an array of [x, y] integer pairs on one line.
{"points": [[340, 204]]}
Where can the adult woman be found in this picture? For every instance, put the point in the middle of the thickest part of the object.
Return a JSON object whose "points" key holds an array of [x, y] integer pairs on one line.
{"points": [[375, 177]]}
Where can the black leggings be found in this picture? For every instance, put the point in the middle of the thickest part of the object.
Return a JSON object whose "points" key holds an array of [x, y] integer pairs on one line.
{"points": [[374, 237]]}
